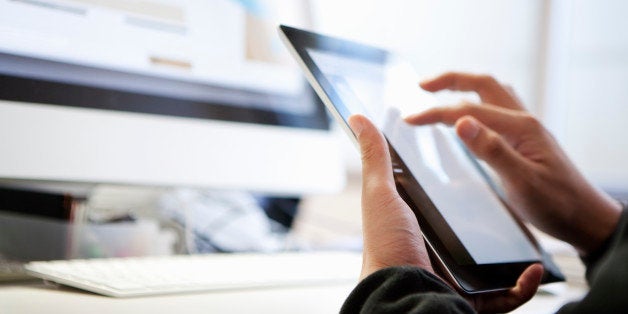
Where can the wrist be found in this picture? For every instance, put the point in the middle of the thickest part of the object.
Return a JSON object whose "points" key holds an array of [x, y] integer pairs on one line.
{"points": [[597, 224]]}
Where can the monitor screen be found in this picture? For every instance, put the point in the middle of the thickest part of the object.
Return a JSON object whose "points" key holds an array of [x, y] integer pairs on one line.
{"points": [[151, 57], [153, 92]]}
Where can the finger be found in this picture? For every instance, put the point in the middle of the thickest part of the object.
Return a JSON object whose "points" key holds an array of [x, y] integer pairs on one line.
{"points": [[525, 288], [489, 89], [489, 146], [498, 119], [528, 283], [376, 164]]}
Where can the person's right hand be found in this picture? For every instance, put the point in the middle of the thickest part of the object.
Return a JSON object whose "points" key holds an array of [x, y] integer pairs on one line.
{"points": [[542, 185]]}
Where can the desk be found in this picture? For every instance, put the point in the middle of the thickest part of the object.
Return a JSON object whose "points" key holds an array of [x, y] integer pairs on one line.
{"points": [[35, 297], [550, 302], [324, 222], [39, 298]]}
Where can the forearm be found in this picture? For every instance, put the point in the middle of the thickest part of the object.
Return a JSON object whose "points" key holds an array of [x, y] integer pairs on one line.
{"points": [[404, 290]]}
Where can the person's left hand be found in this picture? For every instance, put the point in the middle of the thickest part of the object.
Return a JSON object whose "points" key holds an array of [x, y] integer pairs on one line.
{"points": [[392, 236], [391, 232]]}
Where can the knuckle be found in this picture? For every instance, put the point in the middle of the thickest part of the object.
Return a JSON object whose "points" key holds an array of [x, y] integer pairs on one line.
{"points": [[465, 104], [379, 192], [526, 184], [389, 198], [452, 76], [465, 108], [493, 147], [508, 88], [439, 114], [531, 122], [487, 80]]}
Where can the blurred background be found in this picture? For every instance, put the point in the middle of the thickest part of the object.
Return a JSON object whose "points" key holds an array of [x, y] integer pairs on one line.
{"points": [[567, 60], [163, 127]]}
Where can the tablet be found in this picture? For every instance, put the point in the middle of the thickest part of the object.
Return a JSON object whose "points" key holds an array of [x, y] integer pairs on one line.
{"points": [[474, 239]]}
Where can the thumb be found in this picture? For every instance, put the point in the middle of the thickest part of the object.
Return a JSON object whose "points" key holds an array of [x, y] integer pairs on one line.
{"points": [[376, 164], [489, 146]]}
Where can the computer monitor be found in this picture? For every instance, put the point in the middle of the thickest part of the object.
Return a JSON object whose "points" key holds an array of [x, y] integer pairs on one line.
{"points": [[161, 93]]}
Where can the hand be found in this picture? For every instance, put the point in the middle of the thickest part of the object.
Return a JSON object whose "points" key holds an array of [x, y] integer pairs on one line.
{"points": [[392, 236], [542, 185]]}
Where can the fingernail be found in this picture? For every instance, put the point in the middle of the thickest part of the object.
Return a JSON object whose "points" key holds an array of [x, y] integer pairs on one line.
{"points": [[356, 125], [468, 129], [413, 118], [427, 80]]}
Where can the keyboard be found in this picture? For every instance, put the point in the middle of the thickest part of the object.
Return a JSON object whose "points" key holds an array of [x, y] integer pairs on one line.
{"points": [[12, 271], [143, 276]]}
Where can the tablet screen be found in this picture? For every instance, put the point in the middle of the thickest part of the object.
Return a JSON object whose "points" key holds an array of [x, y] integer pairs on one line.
{"points": [[385, 89]]}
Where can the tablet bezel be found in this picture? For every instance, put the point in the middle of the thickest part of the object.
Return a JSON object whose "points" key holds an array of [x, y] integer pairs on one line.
{"points": [[470, 278]]}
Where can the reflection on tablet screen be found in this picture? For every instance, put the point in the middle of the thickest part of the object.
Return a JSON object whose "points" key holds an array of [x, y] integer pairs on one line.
{"points": [[386, 90]]}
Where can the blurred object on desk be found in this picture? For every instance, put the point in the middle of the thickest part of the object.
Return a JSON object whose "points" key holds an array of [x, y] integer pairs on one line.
{"points": [[332, 221], [222, 221]]}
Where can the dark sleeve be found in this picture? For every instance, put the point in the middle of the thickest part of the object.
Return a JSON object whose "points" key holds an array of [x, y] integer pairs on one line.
{"points": [[404, 290], [607, 274]]}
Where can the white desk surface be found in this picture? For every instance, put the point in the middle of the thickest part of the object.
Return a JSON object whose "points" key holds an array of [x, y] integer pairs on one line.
{"points": [[39, 298], [324, 222], [36, 297]]}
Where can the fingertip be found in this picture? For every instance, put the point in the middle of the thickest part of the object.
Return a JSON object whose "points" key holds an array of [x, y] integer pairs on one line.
{"points": [[539, 270], [365, 131], [429, 84], [356, 122], [437, 82], [535, 271], [530, 280], [414, 118], [492, 147], [376, 165], [467, 128], [425, 84], [429, 116], [538, 266]]}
